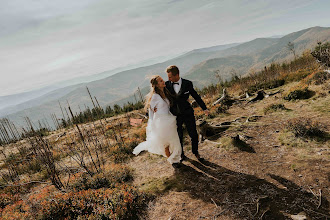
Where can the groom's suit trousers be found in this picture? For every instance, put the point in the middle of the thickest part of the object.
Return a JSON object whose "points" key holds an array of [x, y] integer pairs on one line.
{"points": [[190, 123]]}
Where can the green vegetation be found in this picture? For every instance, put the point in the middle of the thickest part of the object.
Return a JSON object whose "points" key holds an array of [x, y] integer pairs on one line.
{"points": [[299, 94], [273, 76], [320, 77], [306, 128], [122, 152], [97, 113], [274, 108], [162, 185], [110, 179], [322, 53]]}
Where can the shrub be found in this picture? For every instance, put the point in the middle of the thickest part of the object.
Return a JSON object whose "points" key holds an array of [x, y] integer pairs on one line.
{"points": [[140, 134], [274, 108], [267, 85], [85, 181], [299, 94], [120, 203], [321, 77], [322, 53], [6, 199], [117, 175], [297, 75], [222, 109], [42, 132], [121, 152], [304, 127]]}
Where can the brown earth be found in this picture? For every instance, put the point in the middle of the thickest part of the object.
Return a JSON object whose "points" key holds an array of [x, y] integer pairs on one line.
{"points": [[270, 175], [279, 176]]}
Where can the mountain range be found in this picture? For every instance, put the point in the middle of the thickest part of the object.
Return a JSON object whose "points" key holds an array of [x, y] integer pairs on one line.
{"points": [[198, 65]]}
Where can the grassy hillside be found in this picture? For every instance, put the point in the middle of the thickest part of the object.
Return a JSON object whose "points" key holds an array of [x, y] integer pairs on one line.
{"points": [[272, 162]]}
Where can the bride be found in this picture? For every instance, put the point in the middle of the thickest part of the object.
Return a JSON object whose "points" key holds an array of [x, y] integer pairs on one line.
{"points": [[162, 136]]}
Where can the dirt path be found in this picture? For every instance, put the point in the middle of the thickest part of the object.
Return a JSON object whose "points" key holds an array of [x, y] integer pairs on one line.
{"points": [[274, 181]]}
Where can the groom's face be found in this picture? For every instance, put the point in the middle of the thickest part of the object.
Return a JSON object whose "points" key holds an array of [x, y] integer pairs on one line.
{"points": [[173, 78]]}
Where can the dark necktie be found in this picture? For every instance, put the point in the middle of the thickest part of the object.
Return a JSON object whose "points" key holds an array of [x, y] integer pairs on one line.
{"points": [[176, 83]]}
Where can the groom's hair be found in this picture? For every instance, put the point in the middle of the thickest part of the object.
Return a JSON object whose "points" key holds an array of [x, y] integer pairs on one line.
{"points": [[173, 69]]}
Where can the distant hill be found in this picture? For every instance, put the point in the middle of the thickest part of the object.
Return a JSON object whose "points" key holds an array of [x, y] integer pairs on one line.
{"points": [[16, 102], [256, 54], [12, 100]]}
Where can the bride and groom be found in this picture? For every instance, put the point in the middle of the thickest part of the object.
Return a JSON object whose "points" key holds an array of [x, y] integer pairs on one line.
{"points": [[168, 106]]}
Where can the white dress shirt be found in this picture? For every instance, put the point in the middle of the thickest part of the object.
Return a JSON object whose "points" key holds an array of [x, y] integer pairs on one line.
{"points": [[177, 87]]}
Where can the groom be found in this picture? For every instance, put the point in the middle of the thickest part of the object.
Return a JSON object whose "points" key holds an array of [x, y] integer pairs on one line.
{"points": [[181, 89]]}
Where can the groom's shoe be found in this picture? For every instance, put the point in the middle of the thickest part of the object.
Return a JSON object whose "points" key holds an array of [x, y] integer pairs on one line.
{"points": [[183, 158], [198, 157], [176, 165]]}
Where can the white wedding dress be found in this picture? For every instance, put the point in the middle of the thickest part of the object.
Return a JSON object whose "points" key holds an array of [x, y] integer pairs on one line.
{"points": [[161, 131]]}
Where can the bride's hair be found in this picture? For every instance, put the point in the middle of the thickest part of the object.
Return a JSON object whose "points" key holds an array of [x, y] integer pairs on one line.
{"points": [[155, 90]]}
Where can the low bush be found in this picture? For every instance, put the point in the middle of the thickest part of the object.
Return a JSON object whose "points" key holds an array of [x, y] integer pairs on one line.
{"points": [[121, 152], [306, 128], [267, 85], [6, 199], [321, 77], [116, 175], [274, 108], [125, 202], [299, 94], [140, 134], [298, 75], [222, 109]]}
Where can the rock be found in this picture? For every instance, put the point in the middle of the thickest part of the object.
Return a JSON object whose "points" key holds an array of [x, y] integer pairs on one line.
{"points": [[300, 216], [242, 145], [240, 119], [206, 130], [226, 123], [253, 118], [260, 96]]}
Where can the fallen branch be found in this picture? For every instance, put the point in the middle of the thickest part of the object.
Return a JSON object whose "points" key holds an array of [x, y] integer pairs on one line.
{"points": [[140, 115], [212, 142], [224, 95], [327, 216], [216, 215], [320, 199], [214, 203], [312, 192]]}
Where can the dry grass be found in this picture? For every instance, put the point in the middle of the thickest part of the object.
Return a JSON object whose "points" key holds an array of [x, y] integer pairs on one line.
{"points": [[231, 184]]}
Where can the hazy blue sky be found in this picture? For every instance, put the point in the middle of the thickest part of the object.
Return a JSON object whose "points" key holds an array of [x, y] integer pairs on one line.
{"points": [[43, 41]]}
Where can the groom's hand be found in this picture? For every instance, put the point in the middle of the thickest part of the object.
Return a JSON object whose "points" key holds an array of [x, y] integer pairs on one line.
{"points": [[206, 112], [155, 109]]}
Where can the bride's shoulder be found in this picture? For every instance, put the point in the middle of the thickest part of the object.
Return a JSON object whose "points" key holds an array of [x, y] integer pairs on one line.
{"points": [[156, 96]]}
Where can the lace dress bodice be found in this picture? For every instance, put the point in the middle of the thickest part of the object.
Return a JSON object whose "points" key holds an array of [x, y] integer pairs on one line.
{"points": [[163, 106]]}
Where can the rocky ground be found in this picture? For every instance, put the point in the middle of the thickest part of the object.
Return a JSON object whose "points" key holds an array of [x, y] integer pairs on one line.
{"points": [[269, 174]]}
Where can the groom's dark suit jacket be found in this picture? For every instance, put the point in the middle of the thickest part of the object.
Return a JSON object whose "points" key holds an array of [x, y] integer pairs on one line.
{"points": [[181, 105]]}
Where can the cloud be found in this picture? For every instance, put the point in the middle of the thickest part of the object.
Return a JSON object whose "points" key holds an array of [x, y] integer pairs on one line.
{"points": [[44, 42]]}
